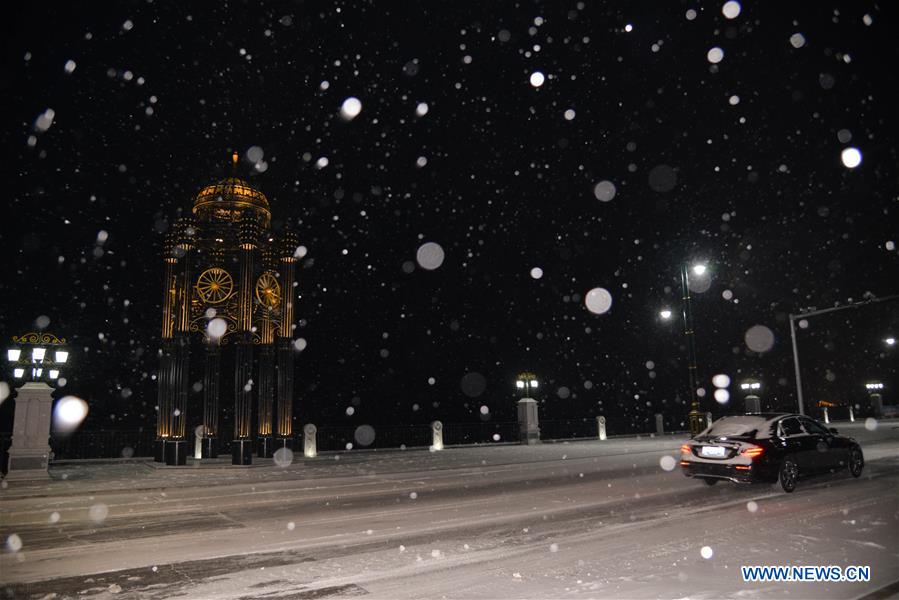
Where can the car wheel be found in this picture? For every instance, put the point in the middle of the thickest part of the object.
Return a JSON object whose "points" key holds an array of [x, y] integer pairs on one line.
{"points": [[856, 461], [710, 481], [788, 474]]}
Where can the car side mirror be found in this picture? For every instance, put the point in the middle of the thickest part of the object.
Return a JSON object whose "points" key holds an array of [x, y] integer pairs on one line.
{"points": [[833, 430]]}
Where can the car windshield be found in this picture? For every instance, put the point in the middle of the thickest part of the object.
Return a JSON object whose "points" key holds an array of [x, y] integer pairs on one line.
{"points": [[742, 426]]}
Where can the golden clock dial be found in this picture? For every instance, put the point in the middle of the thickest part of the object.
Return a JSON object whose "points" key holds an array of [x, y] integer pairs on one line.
{"points": [[214, 285], [268, 290]]}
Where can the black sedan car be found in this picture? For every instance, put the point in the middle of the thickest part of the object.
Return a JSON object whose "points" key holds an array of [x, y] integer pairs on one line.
{"points": [[768, 448]]}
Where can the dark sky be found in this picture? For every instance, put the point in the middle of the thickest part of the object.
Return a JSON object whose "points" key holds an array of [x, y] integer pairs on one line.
{"points": [[736, 163]]}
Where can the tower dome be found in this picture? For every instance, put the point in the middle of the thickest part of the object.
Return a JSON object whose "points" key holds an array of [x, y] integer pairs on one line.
{"points": [[231, 199]]}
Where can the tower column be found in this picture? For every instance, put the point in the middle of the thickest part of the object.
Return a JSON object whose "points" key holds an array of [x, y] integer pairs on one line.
{"points": [[242, 444], [266, 397], [175, 452], [287, 273], [211, 376], [163, 379]]}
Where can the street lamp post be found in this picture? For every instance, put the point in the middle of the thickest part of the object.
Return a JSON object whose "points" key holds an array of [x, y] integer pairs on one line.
{"points": [[528, 420], [890, 341], [35, 359], [696, 416], [752, 400]]}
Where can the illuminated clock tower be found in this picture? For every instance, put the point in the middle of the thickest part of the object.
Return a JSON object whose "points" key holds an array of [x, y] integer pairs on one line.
{"points": [[228, 318]]}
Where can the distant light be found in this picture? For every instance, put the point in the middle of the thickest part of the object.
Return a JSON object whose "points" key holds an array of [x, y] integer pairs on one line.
{"points": [[37, 354], [537, 79], [715, 55], [699, 269], [665, 314], [721, 396], [851, 157], [874, 386], [569, 114], [422, 109], [628, 28], [62, 356], [534, 383], [731, 9], [890, 341], [70, 66], [54, 373], [18, 373], [350, 108], [519, 384], [13, 354], [536, 272]]}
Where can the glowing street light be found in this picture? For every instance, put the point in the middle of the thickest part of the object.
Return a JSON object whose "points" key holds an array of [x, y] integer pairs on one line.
{"points": [[699, 269], [30, 358], [890, 341], [526, 381], [751, 388], [665, 314], [875, 399]]}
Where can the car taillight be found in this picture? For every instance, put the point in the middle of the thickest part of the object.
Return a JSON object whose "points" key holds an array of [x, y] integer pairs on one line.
{"points": [[685, 449], [752, 452]]}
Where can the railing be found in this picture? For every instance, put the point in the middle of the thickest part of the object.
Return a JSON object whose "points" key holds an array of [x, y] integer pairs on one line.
{"points": [[102, 444], [111, 444]]}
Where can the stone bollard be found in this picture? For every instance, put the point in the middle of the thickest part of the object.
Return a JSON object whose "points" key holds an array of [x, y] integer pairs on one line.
{"points": [[528, 422], [826, 416], [309, 450], [601, 427], [29, 455], [851, 415], [876, 405], [660, 424], [753, 404], [436, 435]]}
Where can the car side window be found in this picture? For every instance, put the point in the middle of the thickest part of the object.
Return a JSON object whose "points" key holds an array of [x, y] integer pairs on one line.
{"points": [[791, 426], [813, 427]]}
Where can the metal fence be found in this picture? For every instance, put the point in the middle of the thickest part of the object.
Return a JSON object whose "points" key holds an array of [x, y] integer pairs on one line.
{"points": [[111, 444]]}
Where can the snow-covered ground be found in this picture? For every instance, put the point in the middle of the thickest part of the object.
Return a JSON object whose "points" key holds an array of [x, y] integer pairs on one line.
{"points": [[583, 519]]}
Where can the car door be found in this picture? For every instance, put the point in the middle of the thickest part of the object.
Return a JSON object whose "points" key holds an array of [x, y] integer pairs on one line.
{"points": [[798, 442], [827, 453]]}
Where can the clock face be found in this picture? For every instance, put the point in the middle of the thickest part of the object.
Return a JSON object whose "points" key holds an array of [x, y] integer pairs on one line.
{"points": [[268, 290], [214, 285]]}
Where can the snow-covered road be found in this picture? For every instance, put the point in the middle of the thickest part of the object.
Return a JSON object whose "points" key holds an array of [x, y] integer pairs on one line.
{"points": [[584, 519]]}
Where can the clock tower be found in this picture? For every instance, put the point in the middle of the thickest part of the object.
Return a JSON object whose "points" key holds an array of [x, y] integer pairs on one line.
{"points": [[228, 297]]}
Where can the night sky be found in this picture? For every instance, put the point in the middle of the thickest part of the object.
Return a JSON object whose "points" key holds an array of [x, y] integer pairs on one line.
{"points": [[117, 114]]}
